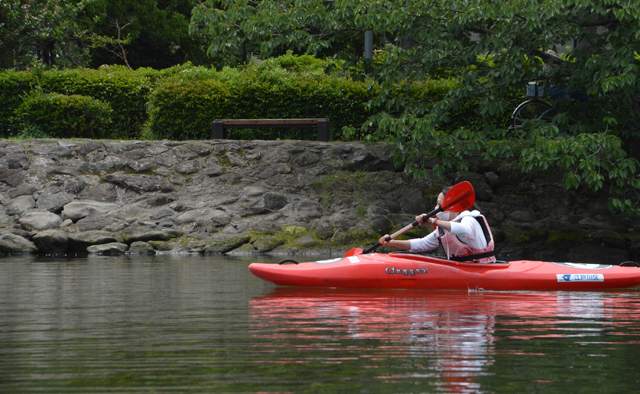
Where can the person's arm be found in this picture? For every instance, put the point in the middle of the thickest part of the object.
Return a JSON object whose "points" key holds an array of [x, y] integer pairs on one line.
{"points": [[414, 245], [443, 224], [469, 230], [402, 244], [463, 228]]}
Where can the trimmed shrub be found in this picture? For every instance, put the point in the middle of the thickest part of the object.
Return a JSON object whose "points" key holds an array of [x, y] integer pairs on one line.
{"points": [[61, 116], [301, 63], [184, 110], [125, 91], [13, 86], [181, 102], [184, 106]]}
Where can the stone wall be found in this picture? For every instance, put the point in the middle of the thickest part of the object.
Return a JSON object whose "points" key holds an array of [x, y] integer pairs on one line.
{"points": [[279, 197]]}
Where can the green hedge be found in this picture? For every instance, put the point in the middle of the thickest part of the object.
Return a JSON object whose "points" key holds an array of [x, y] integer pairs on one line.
{"points": [[62, 116], [181, 102], [464, 113], [183, 107], [13, 86], [125, 91]]}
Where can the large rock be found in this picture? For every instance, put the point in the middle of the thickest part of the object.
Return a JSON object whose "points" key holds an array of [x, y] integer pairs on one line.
{"points": [[94, 223], [51, 241], [79, 242], [4, 218], [274, 201], [80, 209], [20, 205], [136, 183], [13, 178], [54, 202], [267, 244], [140, 247], [11, 243], [109, 249], [205, 218], [413, 201], [40, 221], [25, 189], [131, 235], [224, 246], [303, 211], [89, 147]]}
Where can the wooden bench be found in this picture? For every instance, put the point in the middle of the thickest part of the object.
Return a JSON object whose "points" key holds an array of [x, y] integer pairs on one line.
{"points": [[219, 126]]}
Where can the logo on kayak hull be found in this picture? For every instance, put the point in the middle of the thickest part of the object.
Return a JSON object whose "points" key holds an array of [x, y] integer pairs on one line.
{"points": [[406, 271], [580, 277]]}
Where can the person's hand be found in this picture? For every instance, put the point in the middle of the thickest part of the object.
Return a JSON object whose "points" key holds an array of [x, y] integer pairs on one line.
{"points": [[420, 219], [383, 239]]}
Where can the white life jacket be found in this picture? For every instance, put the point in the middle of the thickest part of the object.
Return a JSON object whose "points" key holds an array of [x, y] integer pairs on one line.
{"points": [[457, 250]]}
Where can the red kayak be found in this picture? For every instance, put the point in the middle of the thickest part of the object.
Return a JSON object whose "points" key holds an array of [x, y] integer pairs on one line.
{"points": [[411, 271]]}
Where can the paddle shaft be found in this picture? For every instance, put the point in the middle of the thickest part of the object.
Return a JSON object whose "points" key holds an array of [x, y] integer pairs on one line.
{"points": [[401, 231]]}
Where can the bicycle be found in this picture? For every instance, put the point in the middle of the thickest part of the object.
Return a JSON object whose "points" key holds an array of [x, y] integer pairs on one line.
{"points": [[534, 108]]}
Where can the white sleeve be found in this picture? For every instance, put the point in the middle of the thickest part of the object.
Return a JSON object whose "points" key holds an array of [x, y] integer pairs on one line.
{"points": [[462, 229], [470, 232], [427, 243]]}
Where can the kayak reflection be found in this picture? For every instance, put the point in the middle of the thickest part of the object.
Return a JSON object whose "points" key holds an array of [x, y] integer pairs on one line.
{"points": [[452, 334]]}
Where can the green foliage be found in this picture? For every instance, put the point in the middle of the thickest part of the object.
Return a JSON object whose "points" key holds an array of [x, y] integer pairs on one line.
{"points": [[156, 33], [13, 85], [61, 116], [590, 158], [185, 109], [452, 38], [77, 33], [47, 32], [126, 93], [302, 63], [186, 99], [184, 105]]}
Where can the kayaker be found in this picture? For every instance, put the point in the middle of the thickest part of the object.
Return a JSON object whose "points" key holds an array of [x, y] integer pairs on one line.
{"points": [[464, 236]]}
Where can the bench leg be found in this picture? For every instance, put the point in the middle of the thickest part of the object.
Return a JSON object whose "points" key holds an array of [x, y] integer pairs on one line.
{"points": [[218, 131], [324, 130]]}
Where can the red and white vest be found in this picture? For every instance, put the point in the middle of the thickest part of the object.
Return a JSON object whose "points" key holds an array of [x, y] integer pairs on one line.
{"points": [[459, 251]]}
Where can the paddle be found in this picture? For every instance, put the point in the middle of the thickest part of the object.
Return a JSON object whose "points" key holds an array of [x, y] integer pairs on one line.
{"points": [[459, 198]]}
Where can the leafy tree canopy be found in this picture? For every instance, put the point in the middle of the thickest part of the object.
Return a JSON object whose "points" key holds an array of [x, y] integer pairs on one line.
{"points": [[493, 48], [44, 31], [156, 33], [76, 33]]}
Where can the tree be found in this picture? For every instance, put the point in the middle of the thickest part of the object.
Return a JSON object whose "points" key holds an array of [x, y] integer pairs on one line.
{"points": [[492, 48], [235, 28], [49, 32], [78, 33], [156, 33]]}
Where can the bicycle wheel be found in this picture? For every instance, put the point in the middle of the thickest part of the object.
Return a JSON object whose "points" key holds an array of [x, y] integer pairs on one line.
{"points": [[531, 110]]}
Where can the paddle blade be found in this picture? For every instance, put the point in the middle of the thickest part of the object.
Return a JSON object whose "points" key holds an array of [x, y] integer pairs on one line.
{"points": [[459, 198]]}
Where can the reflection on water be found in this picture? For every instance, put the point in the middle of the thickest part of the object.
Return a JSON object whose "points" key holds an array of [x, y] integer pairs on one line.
{"points": [[446, 339], [204, 324]]}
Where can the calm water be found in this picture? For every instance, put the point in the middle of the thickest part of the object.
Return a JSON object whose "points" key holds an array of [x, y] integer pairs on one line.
{"points": [[195, 324]]}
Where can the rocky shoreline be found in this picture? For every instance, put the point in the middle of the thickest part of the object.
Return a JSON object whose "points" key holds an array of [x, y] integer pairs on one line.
{"points": [[62, 197]]}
